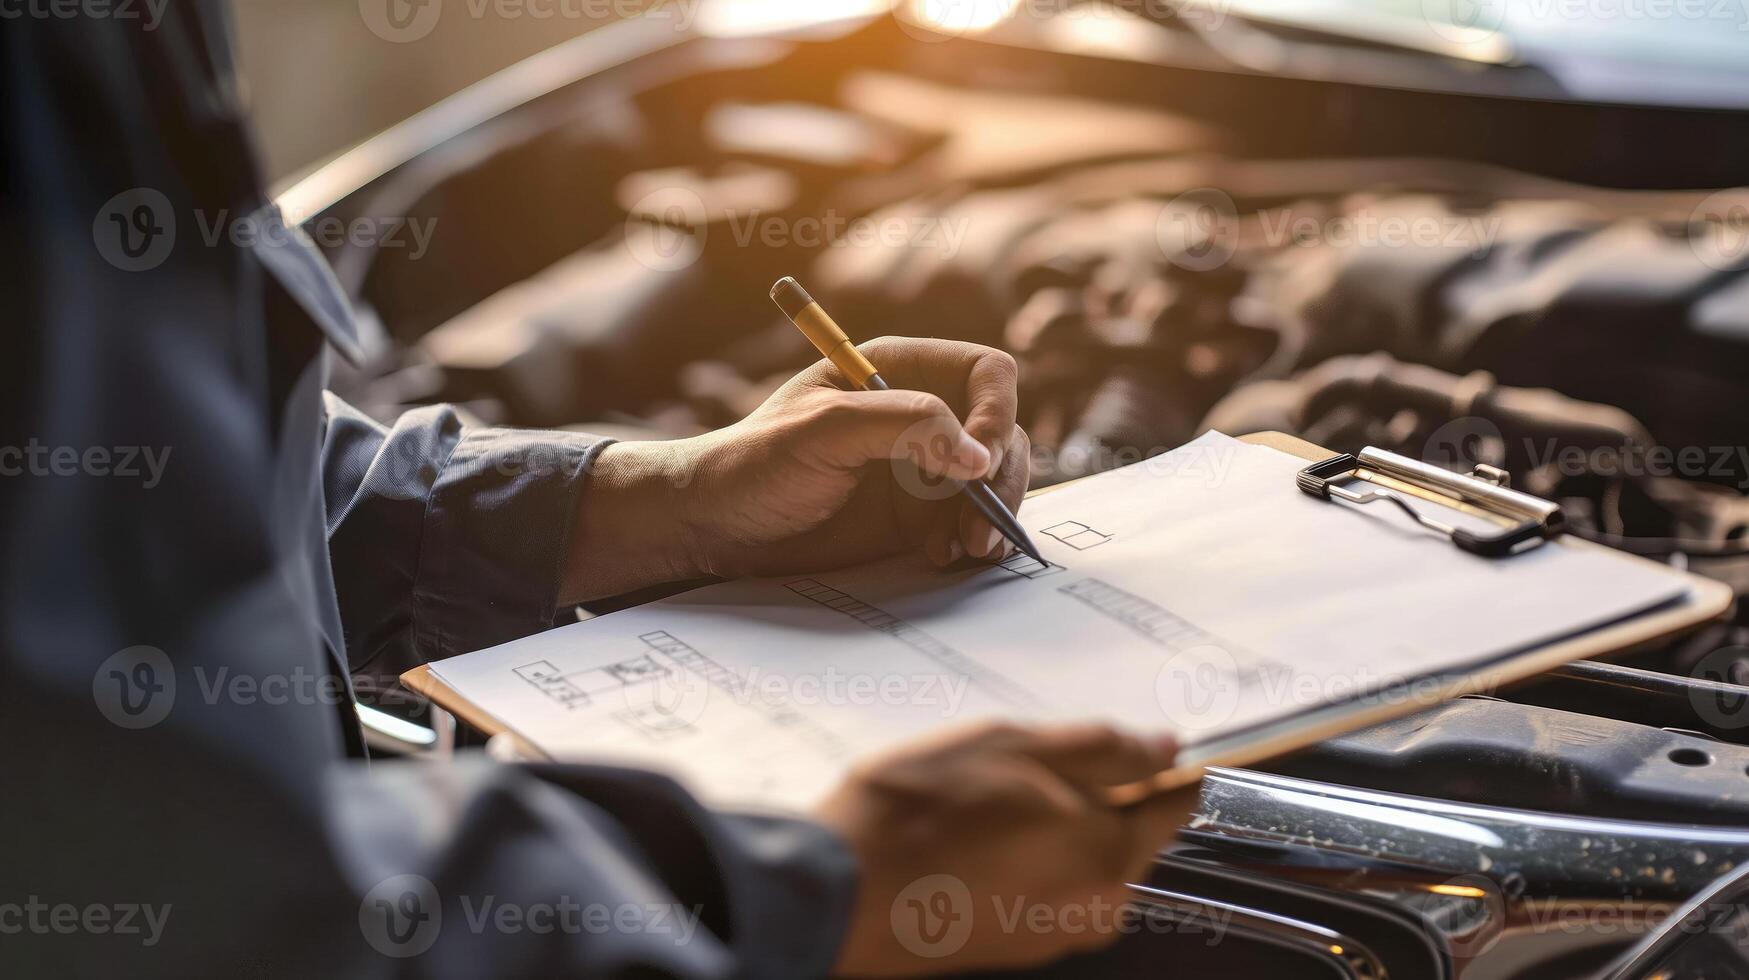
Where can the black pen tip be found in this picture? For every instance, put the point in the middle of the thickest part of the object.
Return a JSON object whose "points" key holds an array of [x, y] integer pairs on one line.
{"points": [[1017, 534]]}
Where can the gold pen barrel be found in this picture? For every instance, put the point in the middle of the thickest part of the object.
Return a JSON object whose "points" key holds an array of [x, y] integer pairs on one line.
{"points": [[822, 331], [831, 341]]}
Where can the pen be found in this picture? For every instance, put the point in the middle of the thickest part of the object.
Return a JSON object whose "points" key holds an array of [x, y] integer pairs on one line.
{"points": [[826, 335]]}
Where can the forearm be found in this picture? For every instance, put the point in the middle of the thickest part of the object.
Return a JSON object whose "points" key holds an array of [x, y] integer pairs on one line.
{"points": [[635, 527]]}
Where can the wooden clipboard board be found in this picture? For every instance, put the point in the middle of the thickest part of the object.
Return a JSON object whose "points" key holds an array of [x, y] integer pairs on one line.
{"points": [[1708, 600]]}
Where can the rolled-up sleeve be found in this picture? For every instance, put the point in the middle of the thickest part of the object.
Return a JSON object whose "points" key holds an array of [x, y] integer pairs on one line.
{"points": [[446, 538]]}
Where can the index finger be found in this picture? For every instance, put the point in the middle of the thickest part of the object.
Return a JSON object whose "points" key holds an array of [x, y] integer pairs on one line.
{"points": [[980, 383]]}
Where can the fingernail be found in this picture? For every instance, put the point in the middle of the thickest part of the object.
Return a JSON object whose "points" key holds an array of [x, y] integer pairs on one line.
{"points": [[971, 456], [992, 541], [955, 550]]}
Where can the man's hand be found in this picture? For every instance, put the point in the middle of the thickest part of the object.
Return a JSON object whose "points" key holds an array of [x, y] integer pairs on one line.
{"points": [[996, 847], [819, 477]]}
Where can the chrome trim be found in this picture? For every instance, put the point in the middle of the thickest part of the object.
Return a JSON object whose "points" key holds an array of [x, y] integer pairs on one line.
{"points": [[1692, 918], [1347, 953], [1547, 852]]}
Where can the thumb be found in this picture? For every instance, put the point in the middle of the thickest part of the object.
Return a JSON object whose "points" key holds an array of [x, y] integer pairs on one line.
{"points": [[1097, 756], [856, 427]]}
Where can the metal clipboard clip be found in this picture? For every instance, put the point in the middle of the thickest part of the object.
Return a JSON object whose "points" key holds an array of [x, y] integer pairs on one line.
{"points": [[1526, 518]]}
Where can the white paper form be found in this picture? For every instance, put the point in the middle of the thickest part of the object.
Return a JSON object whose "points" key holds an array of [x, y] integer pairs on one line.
{"points": [[1199, 592]]}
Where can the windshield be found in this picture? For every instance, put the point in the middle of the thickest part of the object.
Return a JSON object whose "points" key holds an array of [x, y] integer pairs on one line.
{"points": [[1677, 51]]}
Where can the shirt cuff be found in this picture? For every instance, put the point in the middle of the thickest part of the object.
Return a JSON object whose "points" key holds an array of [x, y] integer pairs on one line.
{"points": [[497, 524]]}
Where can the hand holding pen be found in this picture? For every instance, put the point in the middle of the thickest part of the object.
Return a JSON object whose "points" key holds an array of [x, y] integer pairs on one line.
{"points": [[835, 346], [817, 477]]}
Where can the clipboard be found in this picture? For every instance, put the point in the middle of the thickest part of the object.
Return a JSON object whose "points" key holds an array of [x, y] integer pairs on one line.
{"points": [[1707, 600]]}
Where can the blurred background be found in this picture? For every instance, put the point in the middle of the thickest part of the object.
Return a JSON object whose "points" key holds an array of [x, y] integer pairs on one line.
{"points": [[320, 81], [1468, 230]]}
